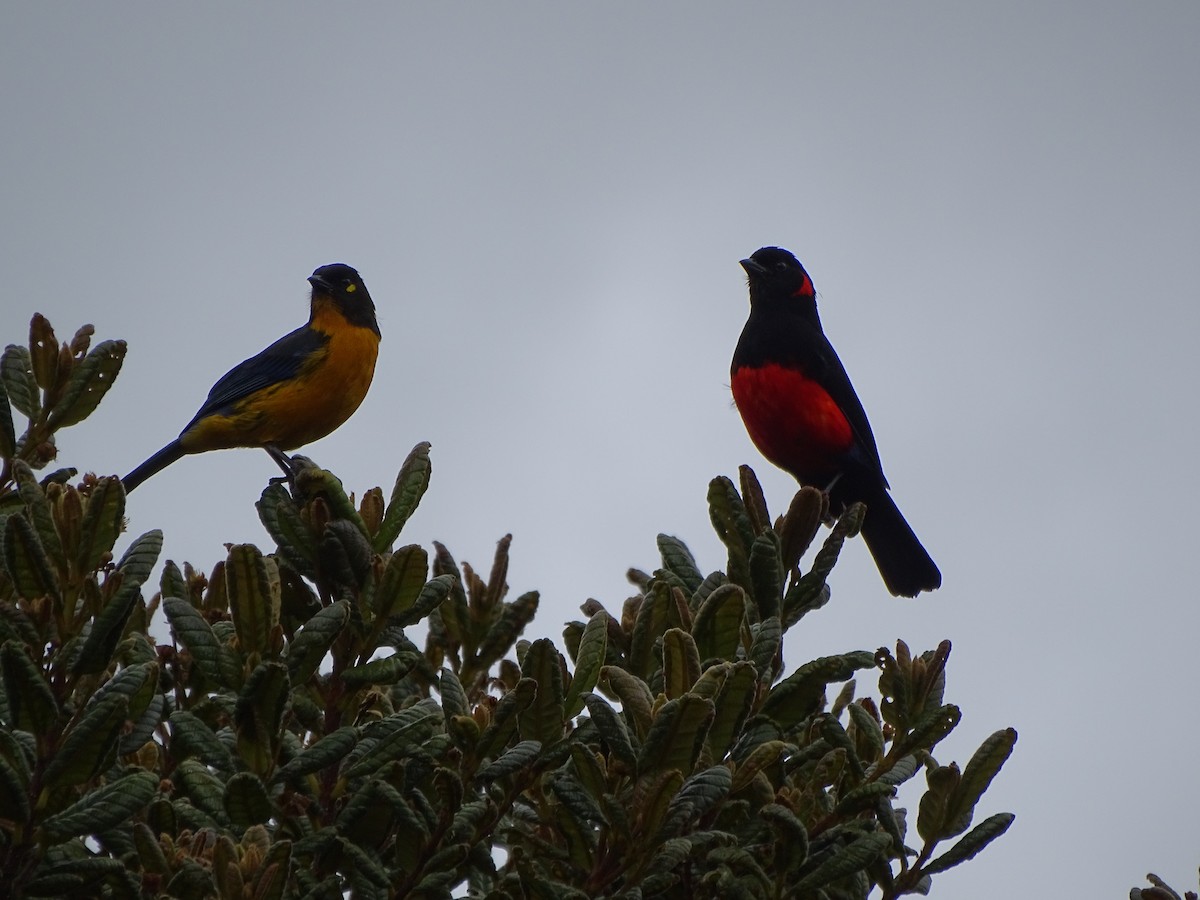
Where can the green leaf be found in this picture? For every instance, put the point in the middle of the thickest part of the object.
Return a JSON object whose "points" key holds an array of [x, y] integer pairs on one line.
{"points": [[808, 590], [31, 703], [856, 856], [454, 697], [26, 562], [252, 584], [273, 874], [196, 635], [678, 558], [733, 527], [832, 731], [190, 736], [593, 647], [43, 351], [16, 370], [654, 616], [942, 782], [259, 714], [15, 624], [144, 726], [137, 682], [804, 596], [283, 520], [753, 499], [205, 789], [764, 649], [103, 519], [652, 795], [89, 382], [978, 774], [388, 670], [137, 562], [38, 507], [677, 734], [430, 598], [8, 432], [323, 753], [699, 794], [246, 801], [791, 840], [403, 577], [395, 737], [344, 555], [589, 772], [717, 627], [410, 487], [864, 797], [90, 744], [710, 682], [519, 756], [312, 642], [767, 574], [503, 634], [800, 694], [764, 754], [503, 726], [904, 769], [681, 663], [581, 806], [868, 733], [733, 703], [612, 729], [109, 624], [800, 525], [971, 843], [636, 699], [106, 807], [934, 725], [15, 775], [542, 720], [86, 876]]}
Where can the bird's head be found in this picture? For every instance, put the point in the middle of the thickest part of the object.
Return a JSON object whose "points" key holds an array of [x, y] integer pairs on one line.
{"points": [[776, 275], [344, 286]]}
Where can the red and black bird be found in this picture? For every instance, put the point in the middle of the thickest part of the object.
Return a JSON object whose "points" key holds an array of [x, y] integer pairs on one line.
{"points": [[803, 415]]}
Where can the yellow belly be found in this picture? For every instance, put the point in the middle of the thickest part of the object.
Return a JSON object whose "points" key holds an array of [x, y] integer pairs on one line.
{"points": [[325, 393]]}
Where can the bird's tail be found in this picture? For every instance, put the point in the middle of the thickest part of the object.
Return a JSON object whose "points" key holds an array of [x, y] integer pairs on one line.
{"points": [[906, 567], [159, 461]]}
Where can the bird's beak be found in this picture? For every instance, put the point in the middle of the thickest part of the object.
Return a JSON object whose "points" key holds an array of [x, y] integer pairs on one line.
{"points": [[320, 283], [753, 268]]}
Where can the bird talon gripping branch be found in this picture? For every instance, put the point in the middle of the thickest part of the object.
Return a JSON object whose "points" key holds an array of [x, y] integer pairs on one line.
{"points": [[803, 415], [299, 389]]}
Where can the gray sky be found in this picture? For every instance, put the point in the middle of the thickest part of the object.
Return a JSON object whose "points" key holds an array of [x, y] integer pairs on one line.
{"points": [[1000, 209]]}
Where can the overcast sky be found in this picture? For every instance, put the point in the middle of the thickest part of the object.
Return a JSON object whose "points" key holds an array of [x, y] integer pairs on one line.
{"points": [[1000, 210]]}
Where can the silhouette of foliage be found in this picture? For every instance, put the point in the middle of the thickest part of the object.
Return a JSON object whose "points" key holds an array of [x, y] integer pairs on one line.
{"points": [[292, 739]]}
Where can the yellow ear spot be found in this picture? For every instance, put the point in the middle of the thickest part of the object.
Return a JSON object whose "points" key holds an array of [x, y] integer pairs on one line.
{"points": [[351, 288]]}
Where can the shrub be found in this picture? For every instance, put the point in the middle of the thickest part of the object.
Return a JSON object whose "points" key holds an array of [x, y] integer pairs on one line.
{"points": [[293, 740]]}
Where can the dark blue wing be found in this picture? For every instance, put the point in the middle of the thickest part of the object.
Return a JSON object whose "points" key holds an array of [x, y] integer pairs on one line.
{"points": [[279, 362]]}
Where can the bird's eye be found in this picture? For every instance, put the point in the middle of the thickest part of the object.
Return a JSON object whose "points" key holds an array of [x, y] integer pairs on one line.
{"points": [[781, 266], [351, 288]]}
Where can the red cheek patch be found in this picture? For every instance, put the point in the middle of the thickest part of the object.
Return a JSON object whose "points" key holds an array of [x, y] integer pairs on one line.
{"points": [[806, 288]]}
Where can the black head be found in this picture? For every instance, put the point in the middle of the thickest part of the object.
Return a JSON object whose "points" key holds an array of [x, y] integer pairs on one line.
{"points": [[345, 287], [775, 274]]}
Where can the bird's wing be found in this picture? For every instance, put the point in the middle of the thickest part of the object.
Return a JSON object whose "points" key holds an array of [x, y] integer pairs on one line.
{"points": [[831, 375], [281, 361]]}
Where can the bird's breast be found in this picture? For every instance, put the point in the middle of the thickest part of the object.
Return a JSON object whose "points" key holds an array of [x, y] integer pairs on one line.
{"points": [[327, 391], [792, 420]]}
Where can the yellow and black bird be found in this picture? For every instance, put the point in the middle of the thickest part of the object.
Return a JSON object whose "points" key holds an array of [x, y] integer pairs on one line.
{"points": [[299, 389]]}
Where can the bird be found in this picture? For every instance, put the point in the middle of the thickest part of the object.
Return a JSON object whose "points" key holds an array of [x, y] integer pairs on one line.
{"points": [[802, 413], [297, 390]]}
